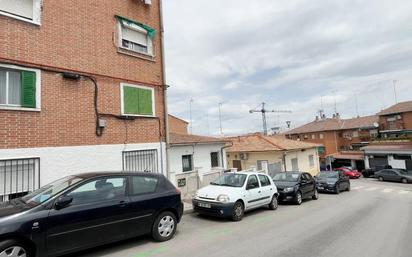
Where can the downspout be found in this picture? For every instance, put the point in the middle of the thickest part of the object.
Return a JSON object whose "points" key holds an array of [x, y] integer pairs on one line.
{"points": [[166, 121], [222, 155]]}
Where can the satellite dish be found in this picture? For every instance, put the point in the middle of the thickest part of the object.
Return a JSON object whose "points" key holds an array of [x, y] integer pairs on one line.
{"points": [[376, 125]]}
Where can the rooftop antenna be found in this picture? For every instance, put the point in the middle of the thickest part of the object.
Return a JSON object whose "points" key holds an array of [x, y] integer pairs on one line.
{"points": [[334, 97], [264, 111], [190, 114], [394, 90], [220, 118]]}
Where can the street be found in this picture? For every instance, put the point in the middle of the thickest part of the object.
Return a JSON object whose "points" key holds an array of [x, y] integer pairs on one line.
{"points": [[374, 219]]}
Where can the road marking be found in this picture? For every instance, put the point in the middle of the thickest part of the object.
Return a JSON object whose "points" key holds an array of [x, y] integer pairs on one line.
{"points": [[403, 192], [387, 190], [151, 252], [358, 187], [371, 189]]}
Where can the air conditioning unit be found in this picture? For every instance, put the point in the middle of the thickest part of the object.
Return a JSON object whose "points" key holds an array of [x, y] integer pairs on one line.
{"points": [[149, 2], [399, 117], [244, 156]]}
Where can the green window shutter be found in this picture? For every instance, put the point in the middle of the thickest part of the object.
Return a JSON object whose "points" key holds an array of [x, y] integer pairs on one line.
{"points": [[145, 102], [28, 89], [137, 101]]}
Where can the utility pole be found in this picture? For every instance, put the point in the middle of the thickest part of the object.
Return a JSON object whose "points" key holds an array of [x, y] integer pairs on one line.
{"points": [[264, 111], [394, 91], [220, 118]]}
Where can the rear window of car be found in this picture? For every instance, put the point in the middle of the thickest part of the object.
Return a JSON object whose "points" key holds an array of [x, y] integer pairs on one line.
{"points": [[143, 185]]}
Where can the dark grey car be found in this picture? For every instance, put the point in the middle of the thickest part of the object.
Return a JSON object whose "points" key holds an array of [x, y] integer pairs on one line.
{"points": [[396, 175], [333, 181]]}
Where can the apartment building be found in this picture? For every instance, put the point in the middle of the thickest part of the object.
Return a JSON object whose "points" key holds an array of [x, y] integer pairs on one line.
{"points": [[81, 89], [396, 120], [342, 138]]}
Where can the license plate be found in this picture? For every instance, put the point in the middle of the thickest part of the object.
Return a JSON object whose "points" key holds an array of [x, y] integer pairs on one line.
{"points": [[205, 205]]}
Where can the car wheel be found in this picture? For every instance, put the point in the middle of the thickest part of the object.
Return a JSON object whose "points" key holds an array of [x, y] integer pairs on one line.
{"points": [[315, 195], [13, 248], [380, 178], [238, 211], [298, 199], [404, 180], [274, 203], [164, 227], [337, 190]]}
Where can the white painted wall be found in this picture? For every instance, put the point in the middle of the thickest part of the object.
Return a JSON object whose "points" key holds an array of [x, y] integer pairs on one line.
{"points": [[201, 157], [57, 162], [303, 160]]}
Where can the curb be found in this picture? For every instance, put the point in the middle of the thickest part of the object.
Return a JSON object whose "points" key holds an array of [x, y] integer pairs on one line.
{"points": [[188, 211]]}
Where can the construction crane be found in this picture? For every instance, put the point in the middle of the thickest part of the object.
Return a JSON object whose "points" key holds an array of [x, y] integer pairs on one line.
{"points": [[264, 111]]}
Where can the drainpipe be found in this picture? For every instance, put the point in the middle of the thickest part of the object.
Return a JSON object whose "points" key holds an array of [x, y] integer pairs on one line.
{"points": [[222, 155], [166, 120]]}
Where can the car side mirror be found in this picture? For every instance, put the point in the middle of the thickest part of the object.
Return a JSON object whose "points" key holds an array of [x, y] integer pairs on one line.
{"points": [[63, 202]]}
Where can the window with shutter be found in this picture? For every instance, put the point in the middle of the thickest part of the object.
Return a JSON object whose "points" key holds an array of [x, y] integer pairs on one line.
{"points": [[137, 100], [135, 36], [18, 88], [26, 10]]}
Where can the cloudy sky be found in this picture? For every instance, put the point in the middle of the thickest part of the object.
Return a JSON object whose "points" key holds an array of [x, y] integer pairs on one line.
{"points": [[290, 54]]}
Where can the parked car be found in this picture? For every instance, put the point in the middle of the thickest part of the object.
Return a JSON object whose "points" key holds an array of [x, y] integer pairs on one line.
{"points": [[333, 181], [371, 171], [351, 173], [295, 186], [397, 175], [88, 210], [232, 194]]}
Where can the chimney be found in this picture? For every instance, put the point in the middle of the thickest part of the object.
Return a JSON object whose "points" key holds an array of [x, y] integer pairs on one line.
{"points": [[317, 118], [334, 116], [337, 115], [323, 116]]}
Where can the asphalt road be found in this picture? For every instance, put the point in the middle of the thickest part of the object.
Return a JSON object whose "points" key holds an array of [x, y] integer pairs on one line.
{"points": [[374, 219]]}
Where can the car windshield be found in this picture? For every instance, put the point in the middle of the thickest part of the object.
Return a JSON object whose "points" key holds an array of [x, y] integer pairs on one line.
{"points": [[48, 191], [230, 179], [329, 175], [289, 177]]}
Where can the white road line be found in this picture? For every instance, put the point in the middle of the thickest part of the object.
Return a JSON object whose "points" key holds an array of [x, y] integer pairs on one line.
{"points": [[387, 190], [371, 189], [358, 187], [403, 192]]}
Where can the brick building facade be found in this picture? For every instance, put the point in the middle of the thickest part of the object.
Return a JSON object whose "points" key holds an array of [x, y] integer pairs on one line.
{"points": [[81, 88]]}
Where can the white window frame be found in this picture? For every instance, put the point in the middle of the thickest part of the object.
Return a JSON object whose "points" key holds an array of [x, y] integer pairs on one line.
{"points": [[38, 89], [37, 9], [321, 136], [150, 47], [122, 85]]}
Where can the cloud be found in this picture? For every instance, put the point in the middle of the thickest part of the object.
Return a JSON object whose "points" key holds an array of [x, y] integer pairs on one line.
{"points": [[289, 54]]}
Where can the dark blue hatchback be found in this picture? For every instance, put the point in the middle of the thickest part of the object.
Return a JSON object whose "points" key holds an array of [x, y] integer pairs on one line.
{"points": [[88, 210]]}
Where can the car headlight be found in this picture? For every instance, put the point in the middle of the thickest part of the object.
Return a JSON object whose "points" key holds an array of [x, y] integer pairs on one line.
{"points": [[223, 198], [288, 189]]}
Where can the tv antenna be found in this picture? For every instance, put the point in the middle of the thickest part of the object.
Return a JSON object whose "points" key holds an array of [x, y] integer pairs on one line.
{"points": [[264, 111]]}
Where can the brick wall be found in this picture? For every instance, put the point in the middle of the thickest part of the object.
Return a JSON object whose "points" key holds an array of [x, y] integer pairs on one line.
{"points": [[177, 125], [80, 36]]}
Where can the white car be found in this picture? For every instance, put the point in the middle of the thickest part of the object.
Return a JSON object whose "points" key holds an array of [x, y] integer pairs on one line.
{"points": [[234, 193]]}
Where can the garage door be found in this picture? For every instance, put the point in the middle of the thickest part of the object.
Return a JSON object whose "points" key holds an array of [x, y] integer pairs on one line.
{"points": [[378, 162]]}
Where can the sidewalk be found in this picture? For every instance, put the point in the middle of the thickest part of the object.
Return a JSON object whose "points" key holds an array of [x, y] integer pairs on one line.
{"points": [[188, 208]]}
